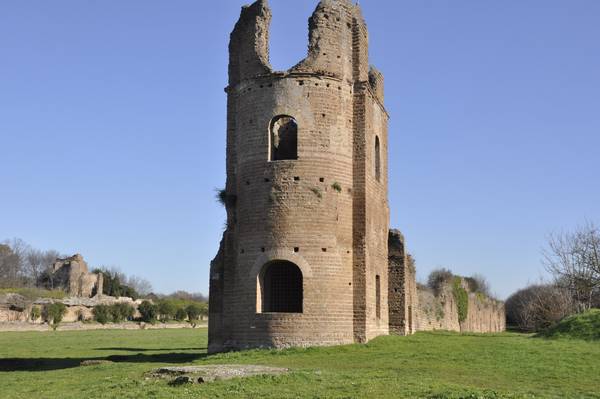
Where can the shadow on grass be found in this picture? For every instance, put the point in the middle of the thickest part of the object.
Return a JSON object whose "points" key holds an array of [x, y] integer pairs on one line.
{"points": [[47, 364], [125, 349]]}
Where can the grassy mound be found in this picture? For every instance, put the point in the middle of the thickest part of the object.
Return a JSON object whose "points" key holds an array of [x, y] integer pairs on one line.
{"points": [[581, 326], [34, 293]]}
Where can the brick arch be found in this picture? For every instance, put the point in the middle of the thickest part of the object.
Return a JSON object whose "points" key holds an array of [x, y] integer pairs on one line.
{"points": [[283, 255]]}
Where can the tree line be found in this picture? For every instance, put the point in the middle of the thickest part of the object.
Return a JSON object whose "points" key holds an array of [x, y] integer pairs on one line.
{"points": [[572, 260]]}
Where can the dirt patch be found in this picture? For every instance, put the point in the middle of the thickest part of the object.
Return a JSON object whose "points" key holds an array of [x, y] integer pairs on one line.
{"points": [[202, 374]]}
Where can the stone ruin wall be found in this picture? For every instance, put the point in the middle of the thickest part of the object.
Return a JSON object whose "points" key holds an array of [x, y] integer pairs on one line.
{"points": [[440, 312], [73, 276], [420, 309]]}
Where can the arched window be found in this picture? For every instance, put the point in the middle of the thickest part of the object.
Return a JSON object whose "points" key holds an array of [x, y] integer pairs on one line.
{"points": [[283, 138], [377, 159], [281, 288]]}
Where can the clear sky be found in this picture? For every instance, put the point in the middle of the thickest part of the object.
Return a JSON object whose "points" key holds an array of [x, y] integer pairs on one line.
{"points": [[112, 128]]}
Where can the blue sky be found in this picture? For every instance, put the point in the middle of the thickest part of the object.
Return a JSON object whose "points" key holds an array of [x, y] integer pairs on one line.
{"points": [[112, 128]]}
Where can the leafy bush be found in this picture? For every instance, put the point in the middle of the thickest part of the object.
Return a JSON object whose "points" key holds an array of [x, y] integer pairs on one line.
{"points": [[337, 187], [194, 311], [148, 312], [581, 326], [113, 286], [102, 314], [438, 278], [121, 312], [538, 307], [462, 299], [166, 310], [181, 314], [53, 313], [36, 313]]}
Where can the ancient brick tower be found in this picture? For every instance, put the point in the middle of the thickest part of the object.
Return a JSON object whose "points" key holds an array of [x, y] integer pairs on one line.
{"points": [[304, 259]]}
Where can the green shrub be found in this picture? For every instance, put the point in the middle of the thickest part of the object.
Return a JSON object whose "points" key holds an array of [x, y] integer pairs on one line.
{"points": [[337, 187], [36, 313], [102, 314], [581, 326], [462, 299], [148, 312], [181, 314], [54, 313], [121, 312], [166, 310], [194, 312]]}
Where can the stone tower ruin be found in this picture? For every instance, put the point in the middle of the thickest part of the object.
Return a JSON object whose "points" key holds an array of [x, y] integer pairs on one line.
{"points": [[304, 258]]}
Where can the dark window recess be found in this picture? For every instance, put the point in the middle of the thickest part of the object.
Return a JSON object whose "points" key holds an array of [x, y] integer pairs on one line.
{"points": [[378, 296], [284, 138], [282, 288], [377, 159]]}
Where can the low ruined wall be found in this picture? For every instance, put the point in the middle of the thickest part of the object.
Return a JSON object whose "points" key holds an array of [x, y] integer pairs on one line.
{"points": [[440, 312]]}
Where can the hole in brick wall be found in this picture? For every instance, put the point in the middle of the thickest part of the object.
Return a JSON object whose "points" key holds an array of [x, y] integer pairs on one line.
{"points": [[316, 84], [242, 251], [328, 85], [323, 115], [267, 180], [284, 138], [322, 179], [250, 121], [301, 82], [339, 87], [324, 53], [378, 296], [281, 288], [349, 25], [296, 249], [262, 249], [324, 249], [296, 178], [262, 86], [395, 289], [247, 182], [350, 284], [347, 252], [377, 159], [338, 19], [326, 16], [339, 56]]}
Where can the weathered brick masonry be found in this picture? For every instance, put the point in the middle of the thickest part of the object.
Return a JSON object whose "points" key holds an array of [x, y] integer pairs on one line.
{"points": [[312, 207], [304, 258]]}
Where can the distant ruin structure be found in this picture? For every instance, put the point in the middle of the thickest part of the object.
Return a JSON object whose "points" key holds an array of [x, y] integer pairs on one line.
{"points": [[304, 260], [72, 276]]}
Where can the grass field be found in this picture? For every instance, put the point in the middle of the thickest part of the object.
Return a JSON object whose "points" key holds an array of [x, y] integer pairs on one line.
{"points": [[426, 365]]}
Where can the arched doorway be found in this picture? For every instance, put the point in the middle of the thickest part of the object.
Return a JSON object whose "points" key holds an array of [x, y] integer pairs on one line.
{"points": [[281, 288]]}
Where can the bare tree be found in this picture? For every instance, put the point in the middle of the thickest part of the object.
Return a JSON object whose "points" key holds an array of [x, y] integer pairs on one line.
{"points": [[538, 306], [12, 259], [141, 285], [573, 259]]}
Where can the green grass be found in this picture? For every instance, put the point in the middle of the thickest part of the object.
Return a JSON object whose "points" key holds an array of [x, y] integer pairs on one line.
{"points": [[34, 293], [426, 365], [580, 326]]}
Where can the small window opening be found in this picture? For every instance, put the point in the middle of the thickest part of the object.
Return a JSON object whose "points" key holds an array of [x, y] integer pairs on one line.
{"points": [[284, 138], [281, 288], [377, 159], [378, 296], [296, 249]]}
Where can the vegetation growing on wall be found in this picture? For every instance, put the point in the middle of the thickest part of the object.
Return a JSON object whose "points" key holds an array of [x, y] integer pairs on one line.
{"points": [[462, 299]]}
